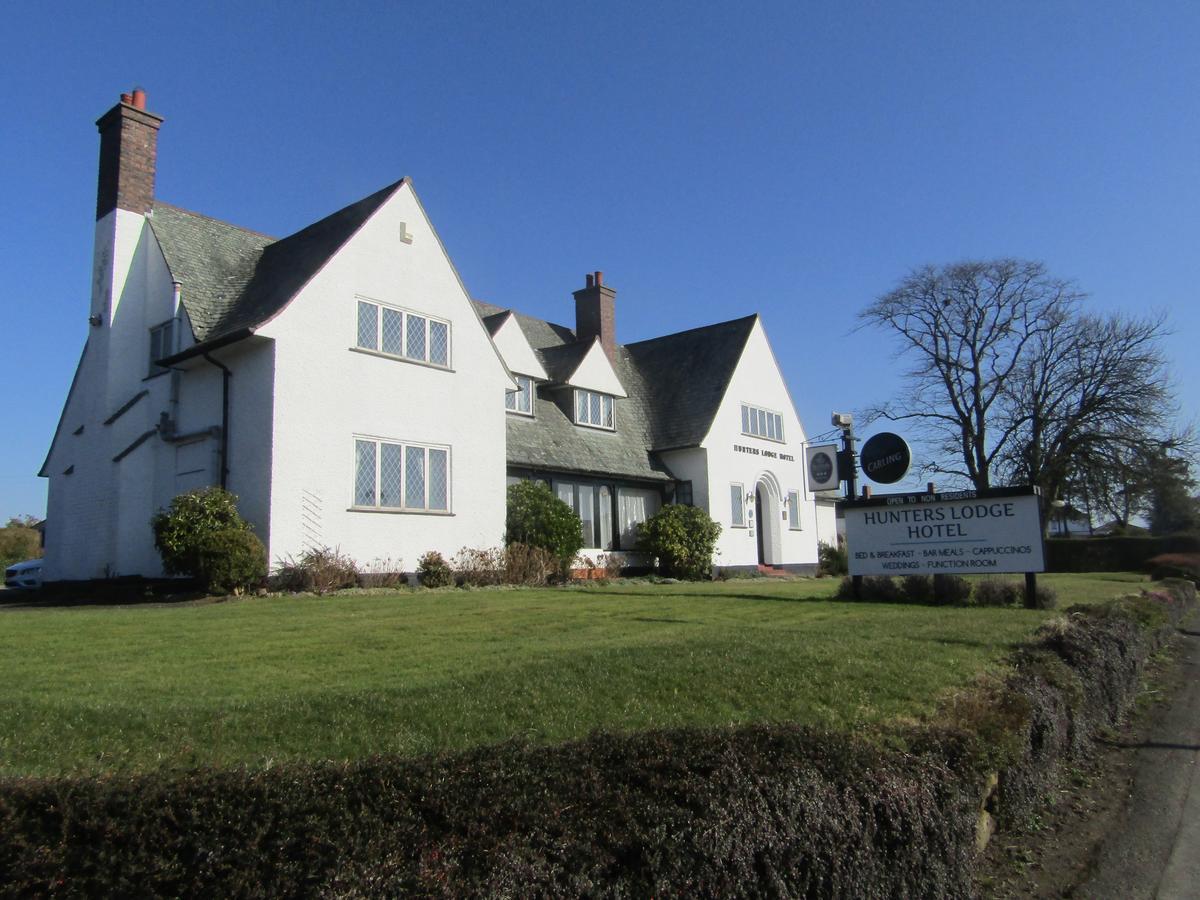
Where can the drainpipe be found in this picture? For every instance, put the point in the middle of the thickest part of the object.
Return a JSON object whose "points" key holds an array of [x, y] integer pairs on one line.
{"points": [[225, 376]]}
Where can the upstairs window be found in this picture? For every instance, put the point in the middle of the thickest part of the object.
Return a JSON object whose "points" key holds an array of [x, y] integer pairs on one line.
{"points": [[162, 343], [404, 334], [594, 409], [520, 400], [762, 423]]}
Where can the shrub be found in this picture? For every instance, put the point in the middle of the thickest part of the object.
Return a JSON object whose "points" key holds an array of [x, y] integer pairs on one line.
{"points": [[1175, 565], [180, 529], [1044, 597], [951, 590], [317, 571], [683, 539], [998, 592], [382, 573], [537, 518], [479, 568], [917, 588], [230, 561], [433, 570], [874, 589], [524, 564], [832, 559]]}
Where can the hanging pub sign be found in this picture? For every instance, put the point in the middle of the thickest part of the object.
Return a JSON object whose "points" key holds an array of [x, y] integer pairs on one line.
{"points": [[820, 462], [954, 533], [885, 458]]}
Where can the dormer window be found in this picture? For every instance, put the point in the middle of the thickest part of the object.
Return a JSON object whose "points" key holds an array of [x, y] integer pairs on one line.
{"points": [[593, 409], [520, 400]]}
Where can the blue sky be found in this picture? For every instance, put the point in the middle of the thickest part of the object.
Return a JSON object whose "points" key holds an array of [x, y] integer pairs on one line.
{"points": [[712, 159]]}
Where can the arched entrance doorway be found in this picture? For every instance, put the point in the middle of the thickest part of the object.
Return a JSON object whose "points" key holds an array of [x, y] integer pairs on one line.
{"points": [[766, 521]]}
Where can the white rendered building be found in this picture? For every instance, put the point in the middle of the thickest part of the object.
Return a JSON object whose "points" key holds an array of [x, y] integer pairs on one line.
{"points": [[342, 382]]}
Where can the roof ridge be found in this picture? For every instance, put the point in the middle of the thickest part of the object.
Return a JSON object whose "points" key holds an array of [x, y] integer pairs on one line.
{"points": [[674, 334], [200, 215]]}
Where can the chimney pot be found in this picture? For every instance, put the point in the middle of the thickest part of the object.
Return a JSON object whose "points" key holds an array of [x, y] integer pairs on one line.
{"points": [[599, 278], [127, 99], [139, 98], [589, 279]]}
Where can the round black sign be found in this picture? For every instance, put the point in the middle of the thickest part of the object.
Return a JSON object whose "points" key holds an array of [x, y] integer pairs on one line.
{"points": [[820, 466], [885, 458]]}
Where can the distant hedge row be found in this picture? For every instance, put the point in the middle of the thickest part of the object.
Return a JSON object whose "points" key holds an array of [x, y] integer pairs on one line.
{"points": [[1113, 554], [777, 810]]}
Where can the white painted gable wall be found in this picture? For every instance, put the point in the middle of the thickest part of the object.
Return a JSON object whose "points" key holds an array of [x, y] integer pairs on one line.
{"points": [[326, 393], [757, 381]]}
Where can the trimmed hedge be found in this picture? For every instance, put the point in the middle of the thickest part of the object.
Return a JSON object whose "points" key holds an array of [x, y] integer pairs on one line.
{"points": [[1113, 554], [764, 810], [776, 810]]}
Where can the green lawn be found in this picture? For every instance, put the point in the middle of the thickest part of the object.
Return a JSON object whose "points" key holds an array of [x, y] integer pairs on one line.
{"points": [[101, 688]]}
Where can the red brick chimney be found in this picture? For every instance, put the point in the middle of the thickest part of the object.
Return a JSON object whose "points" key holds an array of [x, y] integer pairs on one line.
{"points": [[128, 150], [595, 314]]}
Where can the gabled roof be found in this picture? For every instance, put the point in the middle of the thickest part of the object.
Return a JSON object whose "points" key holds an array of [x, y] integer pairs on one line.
{"points": [[685, 376], [234, 279], [675, 386]]}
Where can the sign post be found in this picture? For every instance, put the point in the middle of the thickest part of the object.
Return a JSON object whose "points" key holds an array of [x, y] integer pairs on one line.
{"points": [[959, 532]]}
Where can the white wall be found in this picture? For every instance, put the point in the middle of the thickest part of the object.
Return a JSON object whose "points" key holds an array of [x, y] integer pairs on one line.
{"points": [[757, 381], [326, 393]]}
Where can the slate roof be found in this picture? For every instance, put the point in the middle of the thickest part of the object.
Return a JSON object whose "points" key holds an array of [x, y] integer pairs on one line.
{"points": [[675, 385], [234, 279]]}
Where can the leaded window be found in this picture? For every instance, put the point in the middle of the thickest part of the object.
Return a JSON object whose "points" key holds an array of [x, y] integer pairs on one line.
{"points": [[593, 408], [403, 334], [520, 400], [737, 505], [401, 476]]}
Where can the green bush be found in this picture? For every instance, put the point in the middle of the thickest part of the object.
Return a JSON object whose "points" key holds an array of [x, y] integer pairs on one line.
{"points": [[832, 559], [180, 529], [951, 590], [683, 539], [998, 592], [433, 570], [318, 571], [230, 561], [917, 588], [539, 519]]}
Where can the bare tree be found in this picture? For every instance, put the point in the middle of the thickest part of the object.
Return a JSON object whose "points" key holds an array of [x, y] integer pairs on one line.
{"points": [[1011, 383], [967, 329], [1091, 392]]}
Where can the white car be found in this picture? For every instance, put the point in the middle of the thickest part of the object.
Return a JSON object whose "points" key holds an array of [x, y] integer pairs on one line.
{"points": [[24, 575]]}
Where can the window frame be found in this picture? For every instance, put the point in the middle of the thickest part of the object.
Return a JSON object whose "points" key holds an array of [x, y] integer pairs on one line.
{"points": [[169, 327], [604, 404], [740, 506], [406, 336], [793, 499], [526, 391], [402, 483], [760, 422]]}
